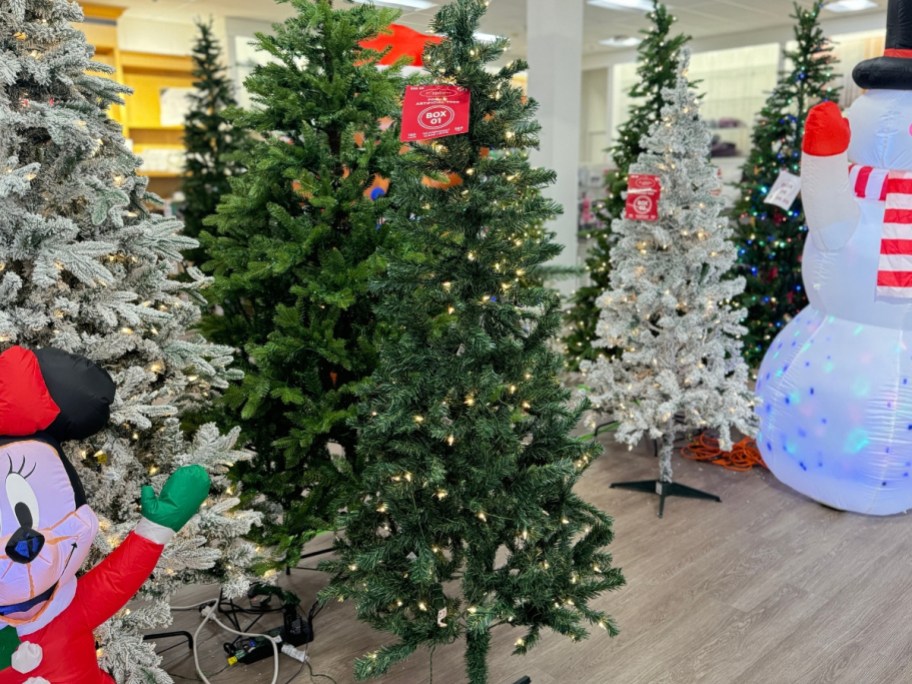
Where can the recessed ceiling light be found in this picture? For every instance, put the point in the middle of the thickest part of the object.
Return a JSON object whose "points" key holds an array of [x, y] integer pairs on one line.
{"points": [[850, 5], [408, 4], [641, 5], [620, 41]]}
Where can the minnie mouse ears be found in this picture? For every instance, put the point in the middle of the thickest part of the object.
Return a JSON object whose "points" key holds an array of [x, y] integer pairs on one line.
{"points": [[51, 391]]}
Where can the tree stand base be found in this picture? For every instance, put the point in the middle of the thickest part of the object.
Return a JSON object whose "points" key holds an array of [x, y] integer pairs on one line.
{"points": [[664, 490]]}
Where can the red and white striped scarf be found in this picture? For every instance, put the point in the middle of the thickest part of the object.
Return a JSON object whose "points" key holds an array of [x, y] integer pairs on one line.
{"points": [[894, 271]]}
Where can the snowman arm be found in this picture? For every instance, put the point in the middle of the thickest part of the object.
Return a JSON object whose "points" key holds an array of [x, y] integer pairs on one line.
{"points": [[107, 587], [829, 203]]}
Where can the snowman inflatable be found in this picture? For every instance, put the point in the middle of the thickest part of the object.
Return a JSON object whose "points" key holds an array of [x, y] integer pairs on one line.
{"points": [[835, 387]]}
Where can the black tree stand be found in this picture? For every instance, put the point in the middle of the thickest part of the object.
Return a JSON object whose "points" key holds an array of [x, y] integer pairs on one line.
{"points": [[665, 489], [661, 488]]}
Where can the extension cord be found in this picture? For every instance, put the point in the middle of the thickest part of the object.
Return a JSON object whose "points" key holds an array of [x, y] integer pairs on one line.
{"points": [[291, 651], [209, 613]]}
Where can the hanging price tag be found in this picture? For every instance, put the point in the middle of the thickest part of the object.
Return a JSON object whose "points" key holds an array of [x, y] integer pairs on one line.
{"points": [[643, 193], [784, 191], [434, 111]]}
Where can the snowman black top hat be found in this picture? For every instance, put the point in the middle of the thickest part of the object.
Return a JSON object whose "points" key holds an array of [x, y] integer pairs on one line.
{"points": [[893, 71]]}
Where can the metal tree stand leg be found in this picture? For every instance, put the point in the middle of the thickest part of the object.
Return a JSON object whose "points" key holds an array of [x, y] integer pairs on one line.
{"points": [[166, 635], [664, 486], [665, 489]]}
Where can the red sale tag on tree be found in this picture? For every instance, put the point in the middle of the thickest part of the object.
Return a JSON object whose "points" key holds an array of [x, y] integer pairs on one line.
{"points": [[643, 193], [434, 111]]}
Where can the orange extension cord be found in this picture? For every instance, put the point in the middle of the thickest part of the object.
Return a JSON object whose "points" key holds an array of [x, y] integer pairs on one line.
{"points": [[741, 458]]}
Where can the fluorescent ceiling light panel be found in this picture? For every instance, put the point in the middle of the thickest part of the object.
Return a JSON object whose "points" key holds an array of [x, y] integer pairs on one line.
{"points": [[485, 37], [641, 5], [850, 5], [620, 41], [408, 4]]}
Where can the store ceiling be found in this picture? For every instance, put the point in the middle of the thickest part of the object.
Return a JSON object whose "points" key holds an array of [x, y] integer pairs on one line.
{"points": [[699, 18]]}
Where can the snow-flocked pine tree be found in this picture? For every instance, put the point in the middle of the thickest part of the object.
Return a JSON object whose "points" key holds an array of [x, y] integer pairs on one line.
{"points": [[84, 267], [669, 305], [468, 517], [657, 57]]}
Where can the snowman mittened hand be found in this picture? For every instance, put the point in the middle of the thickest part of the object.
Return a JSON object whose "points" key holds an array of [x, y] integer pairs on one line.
{"points": [[826, 132], [179, 500]]}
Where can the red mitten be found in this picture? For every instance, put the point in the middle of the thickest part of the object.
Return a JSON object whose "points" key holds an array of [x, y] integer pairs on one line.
{"points": [[826, 131]]}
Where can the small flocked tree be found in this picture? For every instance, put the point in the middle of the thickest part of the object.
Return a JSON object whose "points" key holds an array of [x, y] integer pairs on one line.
{"points": [[771, 239], [294, 246], [668, 308], [468, 518], [212, 143], [84, 267], [657, 57]]}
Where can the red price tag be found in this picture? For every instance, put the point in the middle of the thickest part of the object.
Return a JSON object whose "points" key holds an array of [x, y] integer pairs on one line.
{"points": [[643, 193], [434, 111]]}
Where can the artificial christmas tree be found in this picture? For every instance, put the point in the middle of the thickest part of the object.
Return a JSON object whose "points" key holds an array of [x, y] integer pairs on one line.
{"points": [[212, 143], [657, 57], [293, 248], [668, 308], [468, 519], [84, 268], [771, 238]]}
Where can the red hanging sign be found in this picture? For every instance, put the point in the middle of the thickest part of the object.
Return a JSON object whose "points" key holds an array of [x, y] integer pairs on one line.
{"points": [[434, 111], [643, 193]]}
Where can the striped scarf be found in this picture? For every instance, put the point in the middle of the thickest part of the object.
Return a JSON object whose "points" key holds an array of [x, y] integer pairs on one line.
{"points": [[894, 271]]}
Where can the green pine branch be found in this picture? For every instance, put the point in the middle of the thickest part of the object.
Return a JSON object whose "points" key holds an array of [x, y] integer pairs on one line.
{"points": [[294, 246], [213, 144], [770, 239], [468, 518]]}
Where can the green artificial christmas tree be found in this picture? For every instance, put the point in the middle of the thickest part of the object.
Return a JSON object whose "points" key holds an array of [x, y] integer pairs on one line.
{"points": [[293, 248], [212, 142], [468, 519], [658, 54], [771, 239]]}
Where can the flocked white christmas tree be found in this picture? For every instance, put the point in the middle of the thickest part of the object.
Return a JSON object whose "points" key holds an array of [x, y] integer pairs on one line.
{"points": [[85, 267], [669, 305]]}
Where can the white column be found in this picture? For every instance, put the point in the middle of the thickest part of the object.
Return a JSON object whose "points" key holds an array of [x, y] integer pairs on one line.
{"points": [[555, 56]]}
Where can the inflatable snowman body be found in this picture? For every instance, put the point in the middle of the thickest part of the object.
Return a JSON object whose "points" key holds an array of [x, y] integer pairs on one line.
{"points": [[835, 387]]}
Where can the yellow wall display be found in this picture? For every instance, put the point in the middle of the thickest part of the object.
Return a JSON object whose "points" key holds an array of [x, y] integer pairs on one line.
{"points": [[146, 74]]}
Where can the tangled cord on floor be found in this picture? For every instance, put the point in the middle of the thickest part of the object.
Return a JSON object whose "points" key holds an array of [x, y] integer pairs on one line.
{"points": [[743, 456]]}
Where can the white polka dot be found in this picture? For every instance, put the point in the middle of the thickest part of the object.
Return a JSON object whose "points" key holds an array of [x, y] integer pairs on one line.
{"points": [[27, 657]]}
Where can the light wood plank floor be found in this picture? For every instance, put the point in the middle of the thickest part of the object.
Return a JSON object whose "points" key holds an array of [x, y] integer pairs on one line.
{"points": [[766, 587]]}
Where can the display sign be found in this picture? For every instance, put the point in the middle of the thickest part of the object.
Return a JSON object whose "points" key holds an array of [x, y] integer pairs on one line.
{"points": [[643, 193], [434, 111], [784, 191]]}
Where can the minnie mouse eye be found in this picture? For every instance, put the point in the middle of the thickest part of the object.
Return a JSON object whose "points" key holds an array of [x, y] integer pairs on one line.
{"points": [[22, 500]]}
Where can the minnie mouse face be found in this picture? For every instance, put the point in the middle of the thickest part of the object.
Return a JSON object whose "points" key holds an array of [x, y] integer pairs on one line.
{"points": [[46, 529]]}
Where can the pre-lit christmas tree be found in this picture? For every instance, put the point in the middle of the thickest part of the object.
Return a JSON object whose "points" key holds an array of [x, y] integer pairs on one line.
{"points": [[212, 142], [771, 239], [669, 305], [84, 267], [468, 518], [295, 244], [657, 56]]}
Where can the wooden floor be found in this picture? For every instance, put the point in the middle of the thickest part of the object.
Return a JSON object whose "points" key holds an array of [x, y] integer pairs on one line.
{"points": [[766, 587]]}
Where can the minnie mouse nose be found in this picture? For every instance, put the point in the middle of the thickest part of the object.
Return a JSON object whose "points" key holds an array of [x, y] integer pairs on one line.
{"points": [[25, 545]]}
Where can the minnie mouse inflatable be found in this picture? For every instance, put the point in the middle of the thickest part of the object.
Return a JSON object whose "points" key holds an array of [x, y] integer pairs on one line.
{"points": [[47, 615]]}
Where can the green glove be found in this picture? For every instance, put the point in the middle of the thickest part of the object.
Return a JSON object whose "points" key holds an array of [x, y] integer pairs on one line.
{"points": [[180, 498]]}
